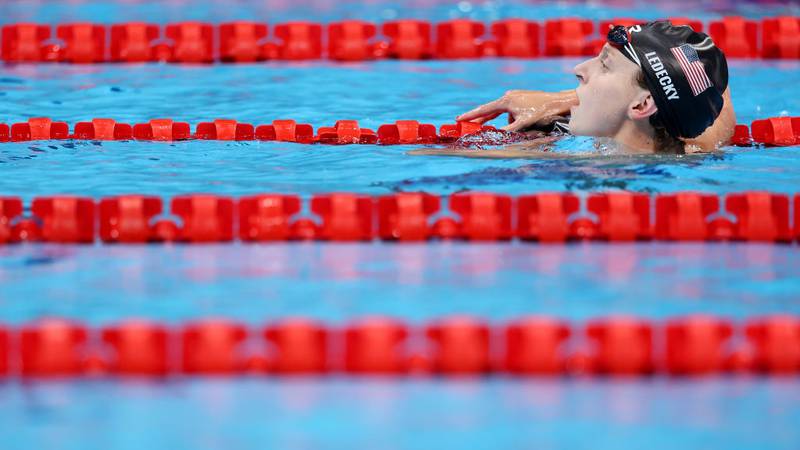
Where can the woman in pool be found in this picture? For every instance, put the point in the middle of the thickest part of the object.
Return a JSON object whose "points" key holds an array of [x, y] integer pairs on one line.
{"points": [[654, 88]]}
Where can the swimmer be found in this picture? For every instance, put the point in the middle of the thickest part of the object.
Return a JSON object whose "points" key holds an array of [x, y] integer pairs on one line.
{"points": [[654, 88]]}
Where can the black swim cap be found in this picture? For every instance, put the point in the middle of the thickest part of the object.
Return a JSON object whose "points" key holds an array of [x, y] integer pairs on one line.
{"points": [[686, 73]]}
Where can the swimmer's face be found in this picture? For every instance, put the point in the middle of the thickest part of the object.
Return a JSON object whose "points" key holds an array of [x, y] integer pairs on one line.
{"points": [[608, 95]]}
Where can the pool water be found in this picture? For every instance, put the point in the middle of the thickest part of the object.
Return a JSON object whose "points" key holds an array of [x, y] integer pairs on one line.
{"points": [[402, 414], [417, 283], [335, 283], [372, 93]]}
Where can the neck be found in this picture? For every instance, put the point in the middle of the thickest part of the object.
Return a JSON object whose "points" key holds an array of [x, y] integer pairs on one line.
{"points": [[636, 136]]}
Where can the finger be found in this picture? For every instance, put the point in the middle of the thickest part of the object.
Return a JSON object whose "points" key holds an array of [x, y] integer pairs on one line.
{"points": [[485, 119], [516, 125], [483, 110]]}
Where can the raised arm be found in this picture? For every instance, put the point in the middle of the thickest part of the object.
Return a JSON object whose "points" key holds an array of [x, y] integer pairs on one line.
{"points": [[720, 132]]}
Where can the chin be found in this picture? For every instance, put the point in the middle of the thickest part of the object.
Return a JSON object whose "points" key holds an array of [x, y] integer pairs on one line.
{"points": [[574, 127]]}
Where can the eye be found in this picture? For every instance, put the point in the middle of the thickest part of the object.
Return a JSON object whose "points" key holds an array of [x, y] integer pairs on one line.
{"points": [[605, 67]]}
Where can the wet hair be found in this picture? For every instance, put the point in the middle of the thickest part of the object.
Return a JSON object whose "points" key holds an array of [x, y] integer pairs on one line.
{"points": [[665, 142]]}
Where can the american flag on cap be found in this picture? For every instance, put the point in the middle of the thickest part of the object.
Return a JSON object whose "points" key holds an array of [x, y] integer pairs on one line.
{"points": [[692, 68]]}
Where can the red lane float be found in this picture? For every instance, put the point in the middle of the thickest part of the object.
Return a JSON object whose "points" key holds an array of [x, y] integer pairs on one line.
{"points": [[736, 36], [138, 348], [351, 40], [298, 41], [345, 217], [760, 216], [461, 38], [346, 132], [267, 217], [134, 42], [42, 128], [241, 42], [300, 347], [206, 218], [568, 37], [20, 132], [452, 132], [780, 38], [127, 218], [162, 130], [545, 217], [684, 216], [83, 43], [460, 346], [192, 42], [535, 346], [24, 42], [697, 345], [776, 131], [10, 209], [776, 344], [454, 346], [408, 39], [621, 346], [39, 128], [622, 216], [26, 230], [797, 216], [376, 346], [213, 347], [224, 130], [484, 216], [406, 216], [65, 219], [407, 132], [286, 131], [103, 130], [741, 136], [517, 38], [5, 351], [53, 347]]}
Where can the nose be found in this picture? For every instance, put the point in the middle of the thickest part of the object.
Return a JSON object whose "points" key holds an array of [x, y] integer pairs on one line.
{"points": [[581, 71]]}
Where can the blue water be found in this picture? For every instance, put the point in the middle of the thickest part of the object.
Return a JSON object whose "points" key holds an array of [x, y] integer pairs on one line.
{"points": [[408, 414], [339, 282], [374, 94], [414, 282]]}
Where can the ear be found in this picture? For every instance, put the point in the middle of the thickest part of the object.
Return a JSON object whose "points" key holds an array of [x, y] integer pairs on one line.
{"points": [[643, 106]]}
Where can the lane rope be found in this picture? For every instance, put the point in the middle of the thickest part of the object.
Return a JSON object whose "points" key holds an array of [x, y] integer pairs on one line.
{"points": [[753, 216], [354, 40], [774, 131], [453, 346]]}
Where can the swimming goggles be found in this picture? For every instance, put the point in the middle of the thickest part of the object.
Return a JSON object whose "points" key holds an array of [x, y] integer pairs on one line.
{"points": [[618, 36]]}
